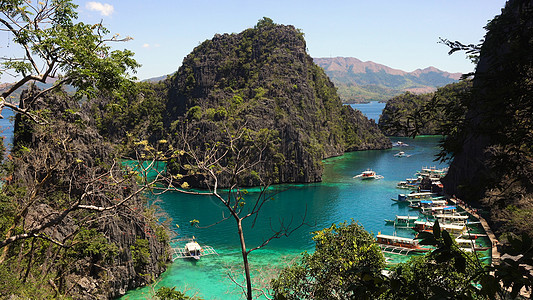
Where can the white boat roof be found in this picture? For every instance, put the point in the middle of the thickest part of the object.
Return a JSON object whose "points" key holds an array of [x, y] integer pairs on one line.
{"points": [[465, 241], [193, 246], [421, 194], [396, 238], [457, 217], [407, 217], [443, 226]]}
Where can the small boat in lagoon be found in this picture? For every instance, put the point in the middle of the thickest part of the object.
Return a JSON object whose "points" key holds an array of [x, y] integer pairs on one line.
{"points": [[403, 221], [426, 226], [193, 250], [432, 172], [470, 244], [453, 219], [409, 183], [425, 204], [441, 210], [400, 144], [416, 197], [399, 245], [401, 154], [368, 174]]}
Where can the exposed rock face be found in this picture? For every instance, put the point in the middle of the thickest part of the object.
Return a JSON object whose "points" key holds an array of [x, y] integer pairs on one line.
{"points": [[499, 114], [493, 161], [263, 79], [110, 251]]}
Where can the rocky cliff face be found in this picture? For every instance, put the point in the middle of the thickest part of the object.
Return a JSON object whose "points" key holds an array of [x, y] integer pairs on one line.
{"points": [[62, 166], [263, 79], [493, 162]]}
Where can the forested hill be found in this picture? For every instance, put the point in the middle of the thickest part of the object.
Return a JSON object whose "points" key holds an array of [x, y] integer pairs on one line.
{"points": [[358, 81], [427, 113], [261, 83]]}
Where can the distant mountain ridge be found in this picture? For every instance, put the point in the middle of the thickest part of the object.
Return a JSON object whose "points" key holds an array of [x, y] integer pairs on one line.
{"points": [[359, 81]]}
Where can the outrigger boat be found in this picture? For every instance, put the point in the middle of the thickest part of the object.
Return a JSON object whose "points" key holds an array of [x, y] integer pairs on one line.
{"points": [[468, 244], [400, 144], [416, 197], [193, 250], [424, 204], [454, 229], [368, 174], [399, 245], [402, 154], [441, 210], [432, 172], [453, 219], [409, 183], [403, 221]]}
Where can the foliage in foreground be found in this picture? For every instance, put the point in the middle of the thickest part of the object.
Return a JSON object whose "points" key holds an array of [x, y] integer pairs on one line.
{"points": [[347, 264]]}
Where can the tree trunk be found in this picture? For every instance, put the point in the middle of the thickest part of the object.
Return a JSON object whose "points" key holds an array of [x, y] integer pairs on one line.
{"points": [[245, 261]]}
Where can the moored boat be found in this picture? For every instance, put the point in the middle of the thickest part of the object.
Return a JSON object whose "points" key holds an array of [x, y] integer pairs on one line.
{"points": [[409, 183], [400, 144], [368, 174], [416, 197], [403, 221], [400, 243], [402, 154], [454, 229]]}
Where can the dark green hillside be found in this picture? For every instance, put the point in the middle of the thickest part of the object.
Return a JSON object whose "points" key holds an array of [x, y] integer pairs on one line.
{"points": [[262, 80], [359, 81], [429, 114], [493, 150]]}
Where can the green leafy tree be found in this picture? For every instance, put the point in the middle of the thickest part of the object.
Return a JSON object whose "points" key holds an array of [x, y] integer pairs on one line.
{"points": [[53, 46], [346, 264]]}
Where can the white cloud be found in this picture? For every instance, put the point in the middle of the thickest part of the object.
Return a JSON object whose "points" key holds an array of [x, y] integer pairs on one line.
{"points": [[150, 46], [104, 8]]}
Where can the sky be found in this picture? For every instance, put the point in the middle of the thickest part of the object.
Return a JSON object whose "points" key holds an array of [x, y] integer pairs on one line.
{"points": [[400, 34]]}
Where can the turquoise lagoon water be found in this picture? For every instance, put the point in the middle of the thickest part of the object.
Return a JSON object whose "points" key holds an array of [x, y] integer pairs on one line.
{"points": [[338, 198], [371, 110]]}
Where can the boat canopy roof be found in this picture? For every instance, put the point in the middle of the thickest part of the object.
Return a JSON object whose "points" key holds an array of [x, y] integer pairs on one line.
{"points": [[193, 246], [395, 238], [407, 217], [456, 217]]}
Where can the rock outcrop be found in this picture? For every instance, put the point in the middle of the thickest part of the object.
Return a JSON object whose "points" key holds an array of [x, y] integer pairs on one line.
{"points": [[263, 79], [493, 161], [67, 171]]}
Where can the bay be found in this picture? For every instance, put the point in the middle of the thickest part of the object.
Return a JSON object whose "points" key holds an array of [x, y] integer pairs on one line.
{"points": [[339, 197], [371, 110], [6, 127]]}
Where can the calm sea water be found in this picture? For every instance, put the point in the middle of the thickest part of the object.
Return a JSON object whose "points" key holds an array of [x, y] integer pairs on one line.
{"points": [[371, 110], [6, 126], [338, 198]]}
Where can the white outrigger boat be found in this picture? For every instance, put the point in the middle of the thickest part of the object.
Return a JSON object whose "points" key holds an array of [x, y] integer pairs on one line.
{"points": [[193, 250], [416, 197], [400, 144], [399, 245], [454, 229], [402, 154], [403, 221], [368, 174]]}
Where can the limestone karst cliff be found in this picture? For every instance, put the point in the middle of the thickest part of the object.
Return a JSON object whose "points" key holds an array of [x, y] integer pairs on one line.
{"points": [[263, 80]]}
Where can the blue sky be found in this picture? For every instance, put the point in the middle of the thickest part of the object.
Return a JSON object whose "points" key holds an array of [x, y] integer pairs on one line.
{"points": [[400, 34]]}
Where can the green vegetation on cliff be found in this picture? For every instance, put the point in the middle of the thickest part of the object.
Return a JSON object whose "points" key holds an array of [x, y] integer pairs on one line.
{"points": [[263, 81], [427, 114], [259, 83], [73, 221]]}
